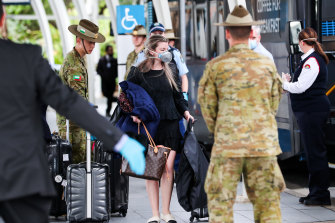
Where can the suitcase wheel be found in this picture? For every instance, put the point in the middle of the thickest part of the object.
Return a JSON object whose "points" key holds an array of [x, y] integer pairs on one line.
{"points": [[123, 213], [194, 215]]}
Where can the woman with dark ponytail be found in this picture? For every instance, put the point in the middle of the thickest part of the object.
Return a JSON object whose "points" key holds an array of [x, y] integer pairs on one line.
{"points": [[311, 108]]}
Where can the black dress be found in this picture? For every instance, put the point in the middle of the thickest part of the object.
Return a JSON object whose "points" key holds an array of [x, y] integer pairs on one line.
{"points": [[169, 102]]}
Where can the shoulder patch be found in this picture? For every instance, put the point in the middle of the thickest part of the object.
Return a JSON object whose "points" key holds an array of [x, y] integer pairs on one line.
{"points": [[76, 77], [307, 66]]}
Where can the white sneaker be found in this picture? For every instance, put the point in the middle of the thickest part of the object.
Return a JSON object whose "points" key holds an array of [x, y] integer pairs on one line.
{"points": [[168, 218], [154, 219]]}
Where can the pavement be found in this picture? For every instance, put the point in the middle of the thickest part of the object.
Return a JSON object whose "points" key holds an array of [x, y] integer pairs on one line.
{"points": [[139, 207]]}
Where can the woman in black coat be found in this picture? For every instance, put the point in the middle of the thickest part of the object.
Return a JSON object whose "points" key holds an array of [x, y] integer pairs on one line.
{"points": [[155, 76]]}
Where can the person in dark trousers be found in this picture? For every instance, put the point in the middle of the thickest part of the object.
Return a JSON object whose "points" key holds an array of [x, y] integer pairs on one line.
{"points": [[27, 81], [107, 69], [311, 108]]}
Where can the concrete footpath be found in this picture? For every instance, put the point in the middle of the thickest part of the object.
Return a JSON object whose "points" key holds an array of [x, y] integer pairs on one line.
{"points": [[292, 212]]}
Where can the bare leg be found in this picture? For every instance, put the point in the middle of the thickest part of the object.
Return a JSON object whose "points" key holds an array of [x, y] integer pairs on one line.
{"points": [[167, 183], [153, 194]]}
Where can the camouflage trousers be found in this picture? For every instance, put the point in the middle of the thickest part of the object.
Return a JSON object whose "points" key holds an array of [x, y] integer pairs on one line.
{"points": [[263, 181], [77, 137]]}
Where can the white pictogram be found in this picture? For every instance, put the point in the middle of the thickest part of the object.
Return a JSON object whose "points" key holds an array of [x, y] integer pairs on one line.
{"points": [[128, 18]]}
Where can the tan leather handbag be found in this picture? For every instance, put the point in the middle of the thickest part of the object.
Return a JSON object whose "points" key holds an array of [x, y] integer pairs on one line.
{"points": [[155, 161]]}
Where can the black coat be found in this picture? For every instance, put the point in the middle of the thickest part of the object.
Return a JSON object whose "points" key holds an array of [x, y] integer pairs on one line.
{"points": [[191, 175], [107, 69], [27, 81]]}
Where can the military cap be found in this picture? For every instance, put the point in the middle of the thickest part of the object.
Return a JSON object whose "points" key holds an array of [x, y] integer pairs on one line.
{"points": [[169, 34], [87, 30], [139, 30], [239, 17]]}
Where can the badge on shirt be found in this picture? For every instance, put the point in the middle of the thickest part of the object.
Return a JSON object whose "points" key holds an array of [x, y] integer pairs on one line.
{"points": [[76, 77], [307, 66]]}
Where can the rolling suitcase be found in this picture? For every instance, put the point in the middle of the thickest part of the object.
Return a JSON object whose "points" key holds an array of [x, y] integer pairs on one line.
{"points": [[59, 155], [119, 183], [87, 190]]}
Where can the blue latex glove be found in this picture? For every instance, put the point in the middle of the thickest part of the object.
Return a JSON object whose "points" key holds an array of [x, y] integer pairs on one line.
{"points": [[185, 96], [93, 138], [133, 151]]}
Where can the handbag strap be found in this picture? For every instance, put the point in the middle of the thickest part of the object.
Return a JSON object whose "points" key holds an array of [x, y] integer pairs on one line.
{"points": [[152, 143]]}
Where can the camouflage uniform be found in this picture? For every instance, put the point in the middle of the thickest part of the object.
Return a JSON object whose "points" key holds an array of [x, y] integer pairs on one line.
{"points": [[73, 73], [239, 94], [132, 56]]}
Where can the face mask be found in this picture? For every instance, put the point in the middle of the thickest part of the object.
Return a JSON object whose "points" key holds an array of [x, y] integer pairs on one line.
{"points": [[166, 56], [252, 44]]}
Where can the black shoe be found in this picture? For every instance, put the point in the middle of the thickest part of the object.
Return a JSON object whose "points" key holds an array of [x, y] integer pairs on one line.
{"points": [[302, 199], [317, 202]]}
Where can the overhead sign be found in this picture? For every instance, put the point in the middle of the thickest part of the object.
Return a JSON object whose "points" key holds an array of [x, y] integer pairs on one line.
{"points": [[16, 2], [274, 14], [128, 16]]}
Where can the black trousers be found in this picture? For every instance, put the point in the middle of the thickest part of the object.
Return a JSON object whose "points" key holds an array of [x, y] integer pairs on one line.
{"points": [[311, 126], [30, 209], [110, 99]]}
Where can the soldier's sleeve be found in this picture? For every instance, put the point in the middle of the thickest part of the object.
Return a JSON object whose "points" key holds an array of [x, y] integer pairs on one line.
{"points": [[128, 62], [276, 91], [207, 98], [75, 79]]}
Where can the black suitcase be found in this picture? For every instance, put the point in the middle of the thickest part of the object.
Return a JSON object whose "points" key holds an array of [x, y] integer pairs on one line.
{"points": [[199, 213], [119, 183], [59, 155], [87, 191]]}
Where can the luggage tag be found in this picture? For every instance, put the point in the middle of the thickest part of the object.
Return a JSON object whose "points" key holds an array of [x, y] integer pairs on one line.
{"points": [[66, 157]]}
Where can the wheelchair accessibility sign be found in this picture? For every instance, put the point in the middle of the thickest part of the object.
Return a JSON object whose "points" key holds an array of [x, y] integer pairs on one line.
{"points": [[128, 16]]}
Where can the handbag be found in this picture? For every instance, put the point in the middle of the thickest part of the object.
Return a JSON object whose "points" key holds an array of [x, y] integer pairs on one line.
{"points": [[155, 160]]}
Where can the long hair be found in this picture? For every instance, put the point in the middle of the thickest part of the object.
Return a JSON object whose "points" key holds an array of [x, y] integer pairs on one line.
{"points": [[310, 37], [146, 65]]}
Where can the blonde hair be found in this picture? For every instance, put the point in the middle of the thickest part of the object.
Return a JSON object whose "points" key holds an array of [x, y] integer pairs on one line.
{"points": [[146, 65]]}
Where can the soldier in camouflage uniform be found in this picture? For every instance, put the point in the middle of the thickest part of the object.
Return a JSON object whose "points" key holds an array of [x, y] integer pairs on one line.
{"points": [[239, 94], [74, 74], [139, 37]]}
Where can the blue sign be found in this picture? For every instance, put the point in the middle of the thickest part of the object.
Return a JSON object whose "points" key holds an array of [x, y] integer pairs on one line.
{"points": [[128, 16]]}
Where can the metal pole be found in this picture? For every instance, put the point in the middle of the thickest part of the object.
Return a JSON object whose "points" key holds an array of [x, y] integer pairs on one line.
{"points": [[208, 24], [194, 19], [182, 28]]}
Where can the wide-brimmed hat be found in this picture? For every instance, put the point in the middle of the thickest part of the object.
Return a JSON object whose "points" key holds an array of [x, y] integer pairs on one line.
{"points": [[170, 34], [139, 30], [156, 27], [239, 17], [87, 30]]}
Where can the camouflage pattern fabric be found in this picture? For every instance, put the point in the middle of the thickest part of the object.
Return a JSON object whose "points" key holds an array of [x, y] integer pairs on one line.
{"points": [[239, 94], [77, 138], [74, 74], [263, 181], [132, 56]]}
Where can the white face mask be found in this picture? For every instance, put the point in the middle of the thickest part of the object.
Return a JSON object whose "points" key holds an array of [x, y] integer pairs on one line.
{"points": [[166, 56], [252, 44]]}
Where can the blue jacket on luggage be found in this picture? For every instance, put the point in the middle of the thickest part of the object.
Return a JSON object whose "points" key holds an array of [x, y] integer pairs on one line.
{"points": [[144, 108]]}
